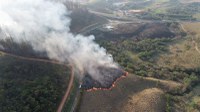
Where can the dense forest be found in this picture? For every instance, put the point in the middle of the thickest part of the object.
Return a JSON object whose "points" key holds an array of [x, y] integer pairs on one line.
{"points": [[27, 86]]}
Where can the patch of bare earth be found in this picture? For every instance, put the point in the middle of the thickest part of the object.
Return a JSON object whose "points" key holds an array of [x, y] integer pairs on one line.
{"points": [[148, 100]]}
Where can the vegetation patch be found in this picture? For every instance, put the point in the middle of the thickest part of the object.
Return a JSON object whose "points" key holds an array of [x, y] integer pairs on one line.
{"points": [[145, 58]]}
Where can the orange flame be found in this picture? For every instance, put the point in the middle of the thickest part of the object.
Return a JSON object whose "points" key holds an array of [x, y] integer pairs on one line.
{"points": [[113, 85]]}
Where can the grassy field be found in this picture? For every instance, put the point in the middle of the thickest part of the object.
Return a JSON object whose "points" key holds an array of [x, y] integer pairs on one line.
{"points": [[192, 27], [116, 99], [183, 53], [147, 99], [194, 30]]}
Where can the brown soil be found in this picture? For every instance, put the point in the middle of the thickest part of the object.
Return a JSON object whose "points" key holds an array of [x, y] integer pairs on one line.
{"points": [[149, 100]]}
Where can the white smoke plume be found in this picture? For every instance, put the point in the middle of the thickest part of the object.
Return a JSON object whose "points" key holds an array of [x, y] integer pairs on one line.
{"points": [[45, 24]]}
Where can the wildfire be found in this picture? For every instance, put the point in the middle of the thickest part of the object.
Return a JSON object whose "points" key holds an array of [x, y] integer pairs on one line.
{"points": [[113, 85]]}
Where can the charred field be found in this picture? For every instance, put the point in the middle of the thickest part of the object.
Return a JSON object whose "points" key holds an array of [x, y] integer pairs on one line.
{"points": [[110, 77], [139, 31]]}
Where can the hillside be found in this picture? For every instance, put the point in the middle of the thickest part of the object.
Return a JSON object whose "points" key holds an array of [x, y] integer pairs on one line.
{"points": [[138, 31], [100, 56], [127, 91], [170, 64]]}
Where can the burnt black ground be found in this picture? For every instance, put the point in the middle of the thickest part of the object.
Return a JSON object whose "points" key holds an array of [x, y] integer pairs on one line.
{"points": [[108, 77]]}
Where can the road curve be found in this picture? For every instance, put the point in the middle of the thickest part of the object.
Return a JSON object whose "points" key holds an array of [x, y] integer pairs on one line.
{"points": [[60, 107], [53, 62]]}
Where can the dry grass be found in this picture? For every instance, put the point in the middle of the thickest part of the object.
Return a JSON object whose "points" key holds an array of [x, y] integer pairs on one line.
{"points": [[114, 100], [192, 27], [197, 100], [167, 85], [183, 52], [1, 53], [180, 55], [134, 57], [148, 100]]}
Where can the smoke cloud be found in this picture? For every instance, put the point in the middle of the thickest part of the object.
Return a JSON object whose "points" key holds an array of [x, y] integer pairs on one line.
{"points": [[45, 25]]}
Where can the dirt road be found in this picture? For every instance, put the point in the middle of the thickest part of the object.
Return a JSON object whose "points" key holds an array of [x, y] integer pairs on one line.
{"points": [[67, 91], [33, 59], [53, 62]]}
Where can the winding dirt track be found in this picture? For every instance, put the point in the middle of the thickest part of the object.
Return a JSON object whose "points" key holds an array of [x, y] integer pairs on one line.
{"points": [[53, 62], [67, 91]]}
